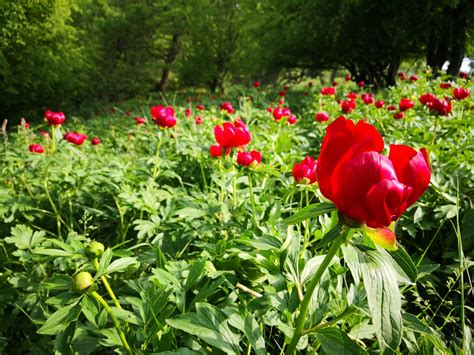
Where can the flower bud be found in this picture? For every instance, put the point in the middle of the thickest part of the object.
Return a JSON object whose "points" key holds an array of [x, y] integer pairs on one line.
{"points": [[83, 281], [96, 248]]}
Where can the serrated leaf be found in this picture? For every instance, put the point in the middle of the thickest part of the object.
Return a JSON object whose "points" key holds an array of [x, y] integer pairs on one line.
{"points": [[60, 319], [24, 238], [210, 325], [310, 211]]}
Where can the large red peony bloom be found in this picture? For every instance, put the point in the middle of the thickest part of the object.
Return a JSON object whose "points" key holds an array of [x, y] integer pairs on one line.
{"points": [[163, 116], [75, 138], [362, 183], [54, 118]]}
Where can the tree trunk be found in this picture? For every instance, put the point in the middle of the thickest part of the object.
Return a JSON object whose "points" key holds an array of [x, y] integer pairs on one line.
{"points": [[173, 52], [458, 39]]}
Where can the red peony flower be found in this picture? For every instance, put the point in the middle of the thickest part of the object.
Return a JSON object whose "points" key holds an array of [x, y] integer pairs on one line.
{"points": [[163, 116], [140, 120], [200, 107], [352, 95], [361, 84], [282, 93], [443, 107], [291, 120], [232, 135], [363, 184], [426, 98], [36, 148], [330, 90], [463, 75], [348, 77], [461, 94], [379, 103], [227, 106], [187, 112], [305, 172], [413, 77], [75, 138], [54, 118], [405, 104], [348, 106], [249, 158], [391, 107], [402, 75], [198, 120], [368, 98], [95, 141], [399, 115], [216, 151], [321, 117], [445, 85], [256, 84]]}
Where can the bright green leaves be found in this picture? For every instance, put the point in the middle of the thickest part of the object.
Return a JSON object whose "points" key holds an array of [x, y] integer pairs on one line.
{"points": [[210, 324], [60, 319], [383, 295]]}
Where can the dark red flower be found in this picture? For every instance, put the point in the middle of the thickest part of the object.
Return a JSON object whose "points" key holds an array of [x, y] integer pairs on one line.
{"points": [[348, 77], [198, 120], [348, 106], [361, 84], [391, 107], [36, 148], [463, 75], [443, 107], [461, 93], [95, 141], [379, 103], [398, 115], [305, 172], [368, 98], [402, 75], [281, 101], [291, 120], [75, 138], [187, 112], [363, 184], [426, 98], [446, 85], [413, 77], [200, 107], [256, 84], [405, 104], [249, 158], [54, 118], [352, 95], [282, 93], [321, 117]]}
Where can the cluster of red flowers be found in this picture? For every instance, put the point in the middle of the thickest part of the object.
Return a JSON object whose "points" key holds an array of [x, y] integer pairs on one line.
{"points": [[441, 106]]}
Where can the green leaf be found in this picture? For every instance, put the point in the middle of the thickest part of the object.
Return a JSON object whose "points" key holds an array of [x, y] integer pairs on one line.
{"points": [[310, 211], [195, 274], [60, 319], [51, 252], [251, 330], [210, 325], [126, 316], [403, 260], [104, 262], [190, 213], [122, 264], [334, 341], [24, 238], [383, 296]]}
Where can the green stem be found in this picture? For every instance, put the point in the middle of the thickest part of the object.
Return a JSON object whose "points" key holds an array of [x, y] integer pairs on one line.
{"points": [[107, 286], [114, 320], [344, 314], [252, 201], [434, 130], [234, 190], [461, 272], [310, 290], [157, 156], [53, 139], [53, 206]]}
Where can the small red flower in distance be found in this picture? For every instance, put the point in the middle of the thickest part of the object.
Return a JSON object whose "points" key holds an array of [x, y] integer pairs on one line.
{"points": [[399, 115], [36, 148], [445, 85], [368, 98], [75, 138], [227, 106], [413, 77], [305, 172], [140, 120], [405, 104], [198, 120], [249, 158], [321, 117], [200, 107], [187, 112], [361, 84], [163, 116], [402, 75], [352, 95], [391, 107], [348, 106], [95, 141], [256, 84], [291, 120], [426, 98], [54, 118], [282, 93], [329, 90], [348, 77], [216, 151], [379, 103], [461, 93]]}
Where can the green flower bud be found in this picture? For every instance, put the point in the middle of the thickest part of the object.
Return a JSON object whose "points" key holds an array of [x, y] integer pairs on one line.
{"points": [[83, 281], [96, 248]]}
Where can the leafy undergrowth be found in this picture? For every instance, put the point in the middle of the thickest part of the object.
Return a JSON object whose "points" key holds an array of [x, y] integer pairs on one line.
{"points": [[204, 255]]}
